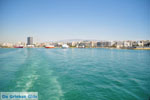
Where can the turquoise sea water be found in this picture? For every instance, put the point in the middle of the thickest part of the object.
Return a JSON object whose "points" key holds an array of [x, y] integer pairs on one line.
{"points": [[76, 74]]}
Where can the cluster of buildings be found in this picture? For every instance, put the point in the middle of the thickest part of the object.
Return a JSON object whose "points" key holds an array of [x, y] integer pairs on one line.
{"points": [[111, 44], [29, 44], [81, 44]]}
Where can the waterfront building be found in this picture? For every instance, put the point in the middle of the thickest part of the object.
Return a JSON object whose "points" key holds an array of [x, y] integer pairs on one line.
{"points": [[29, 40], [87, 44], [134, 43], [127, 44], [107, 44], [7, 45], [120, 44], [94, 44], [113, 43], [104, 44], [55, 44], [69, 44], [74, 44], [80, 45], [38, 44], [143, 43], [98, 44]]}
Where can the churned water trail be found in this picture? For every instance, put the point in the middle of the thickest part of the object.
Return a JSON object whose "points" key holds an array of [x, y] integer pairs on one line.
{"points": [[76, 74], [54, 89]]}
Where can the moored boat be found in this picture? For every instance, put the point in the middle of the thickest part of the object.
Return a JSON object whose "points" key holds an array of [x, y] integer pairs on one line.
{"points": [[64, 46], [18, 46], [49, 46]]}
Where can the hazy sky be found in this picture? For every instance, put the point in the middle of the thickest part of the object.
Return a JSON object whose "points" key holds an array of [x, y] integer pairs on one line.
{"points": [[48, 20]]}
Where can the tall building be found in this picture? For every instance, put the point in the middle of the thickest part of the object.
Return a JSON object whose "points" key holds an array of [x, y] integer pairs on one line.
{"points": [[99, 44], [29, 40]]}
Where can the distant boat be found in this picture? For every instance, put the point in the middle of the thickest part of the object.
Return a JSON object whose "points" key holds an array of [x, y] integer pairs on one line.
{"points": [[64, 46], [49, 46], [18, 46]]}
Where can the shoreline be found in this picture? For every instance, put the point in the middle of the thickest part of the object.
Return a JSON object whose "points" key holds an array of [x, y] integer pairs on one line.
{"points": [[92, 47]]}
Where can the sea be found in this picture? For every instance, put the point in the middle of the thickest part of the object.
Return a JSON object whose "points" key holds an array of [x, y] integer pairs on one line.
{"points": [[76, 73]]}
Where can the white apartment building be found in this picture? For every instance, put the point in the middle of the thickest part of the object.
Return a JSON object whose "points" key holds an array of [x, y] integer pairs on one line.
{"points": [[127, 43]]}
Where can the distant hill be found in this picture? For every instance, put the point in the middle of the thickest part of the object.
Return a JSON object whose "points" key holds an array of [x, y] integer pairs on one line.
{"points": [[75, 40]]}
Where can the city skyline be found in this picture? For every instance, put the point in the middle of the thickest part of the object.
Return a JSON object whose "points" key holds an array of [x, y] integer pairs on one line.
{"points": [[80, 19], [130, 44]]}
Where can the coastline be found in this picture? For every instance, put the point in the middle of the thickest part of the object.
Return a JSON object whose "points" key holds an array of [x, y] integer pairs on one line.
{"points": [[142, 48]]}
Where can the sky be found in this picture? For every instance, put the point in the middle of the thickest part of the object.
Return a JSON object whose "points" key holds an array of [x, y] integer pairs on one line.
{"points": [[51, 20]]}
